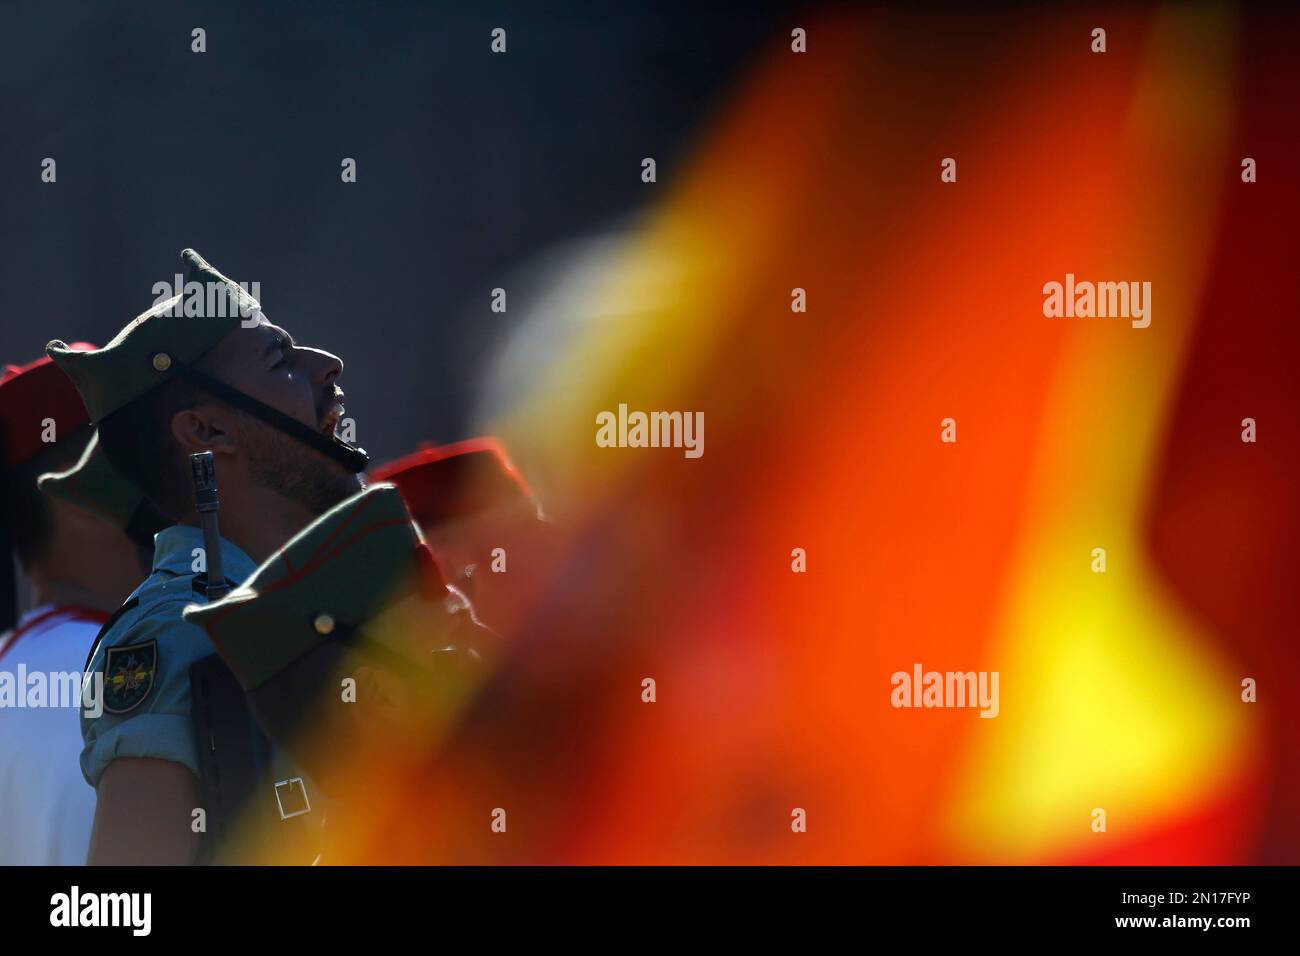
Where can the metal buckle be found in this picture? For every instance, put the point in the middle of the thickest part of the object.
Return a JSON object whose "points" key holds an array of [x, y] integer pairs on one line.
{"points": [[286, 787]]}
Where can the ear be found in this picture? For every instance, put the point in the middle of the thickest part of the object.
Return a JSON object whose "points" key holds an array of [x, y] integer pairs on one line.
{"points": [[203, 428]]}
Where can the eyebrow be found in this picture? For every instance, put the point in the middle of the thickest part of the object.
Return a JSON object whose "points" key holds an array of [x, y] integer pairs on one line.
{"points": [[279, 340]]}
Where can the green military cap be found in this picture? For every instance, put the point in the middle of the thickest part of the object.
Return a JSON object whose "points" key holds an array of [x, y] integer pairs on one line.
{"points": [[94, 484], [327, 583], [179, 329]]}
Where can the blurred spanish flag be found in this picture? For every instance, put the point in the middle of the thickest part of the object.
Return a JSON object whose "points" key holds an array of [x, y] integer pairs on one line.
{"points": [[771, 736]]}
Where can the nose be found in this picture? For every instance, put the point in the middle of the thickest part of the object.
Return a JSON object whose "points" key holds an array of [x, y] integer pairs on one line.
{"points": [[324, 366]]}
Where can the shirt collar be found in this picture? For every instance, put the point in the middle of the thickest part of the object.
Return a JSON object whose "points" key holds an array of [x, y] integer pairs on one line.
{"points": [[173, 551]]}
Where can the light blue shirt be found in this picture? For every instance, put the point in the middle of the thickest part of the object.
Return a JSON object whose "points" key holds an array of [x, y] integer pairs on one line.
{"points": [[160, 724]]}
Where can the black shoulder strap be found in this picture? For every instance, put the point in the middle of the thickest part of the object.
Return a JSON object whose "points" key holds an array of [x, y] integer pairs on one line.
{"points": [[232, 755], [235, 776], [108, 625]]}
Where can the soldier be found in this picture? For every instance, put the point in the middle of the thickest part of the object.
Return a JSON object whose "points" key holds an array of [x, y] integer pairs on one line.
{"points": [[94, 485], [482, 521], [79, 565], [353, 658], [174, 759]]}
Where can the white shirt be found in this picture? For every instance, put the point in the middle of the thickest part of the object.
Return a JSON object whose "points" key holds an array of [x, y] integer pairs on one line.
{"points": [[46, 806]]}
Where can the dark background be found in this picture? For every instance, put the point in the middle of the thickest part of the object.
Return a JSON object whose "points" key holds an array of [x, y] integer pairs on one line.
{"points": [[470, 165]]}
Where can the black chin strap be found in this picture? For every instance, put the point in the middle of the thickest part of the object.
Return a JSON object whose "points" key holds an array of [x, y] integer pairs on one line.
{"points": [[353, 458]]}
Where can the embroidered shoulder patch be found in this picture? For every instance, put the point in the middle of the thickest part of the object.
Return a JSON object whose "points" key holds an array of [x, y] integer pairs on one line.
{"points": [[128, 676]]}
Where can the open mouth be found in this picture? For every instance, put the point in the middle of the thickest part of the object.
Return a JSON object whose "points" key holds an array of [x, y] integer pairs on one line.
{"points": [[331, 420]]}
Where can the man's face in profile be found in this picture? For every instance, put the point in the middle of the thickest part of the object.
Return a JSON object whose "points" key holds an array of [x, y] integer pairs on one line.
{"points": [[264, 362]]}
